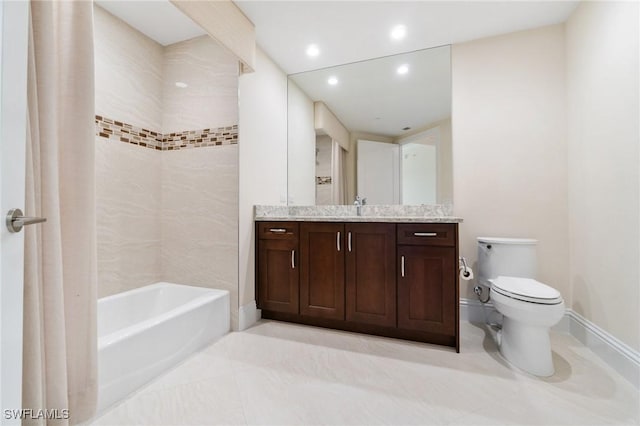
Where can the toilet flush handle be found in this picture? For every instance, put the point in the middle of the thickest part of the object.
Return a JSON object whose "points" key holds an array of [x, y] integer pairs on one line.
{"points": [[485, 247]]}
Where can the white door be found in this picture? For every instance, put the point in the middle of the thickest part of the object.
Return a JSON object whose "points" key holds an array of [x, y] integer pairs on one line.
{"points": [[419, 173], [14, 17], [378, 172]]}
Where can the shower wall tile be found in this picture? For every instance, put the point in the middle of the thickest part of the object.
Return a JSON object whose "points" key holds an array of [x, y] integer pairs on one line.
{"points": [[165, 212], [119, 131], [201, 105], [128, 72], [128, 203], [200, 219], [323, 171]]}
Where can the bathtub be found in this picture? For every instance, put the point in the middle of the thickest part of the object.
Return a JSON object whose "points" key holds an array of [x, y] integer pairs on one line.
{"points": [[145, 331]]}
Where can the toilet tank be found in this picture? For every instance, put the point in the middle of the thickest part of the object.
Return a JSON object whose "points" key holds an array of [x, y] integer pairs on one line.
{"points": [[512, 257]]}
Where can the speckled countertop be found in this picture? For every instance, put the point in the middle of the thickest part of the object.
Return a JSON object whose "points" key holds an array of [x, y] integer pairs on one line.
{"points": [[373, 213]]}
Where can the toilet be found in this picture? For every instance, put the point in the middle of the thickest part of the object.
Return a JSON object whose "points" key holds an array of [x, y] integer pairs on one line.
{"points": [[530, 308]]}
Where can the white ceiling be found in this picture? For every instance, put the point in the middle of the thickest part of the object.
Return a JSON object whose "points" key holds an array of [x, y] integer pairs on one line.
{"points": [[349, 31], [352, 31], [157, 19], [371, 97]]}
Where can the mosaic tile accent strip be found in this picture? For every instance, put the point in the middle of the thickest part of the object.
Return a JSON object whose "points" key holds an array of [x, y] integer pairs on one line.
{"points": [[323, 180], [127, 133], [123, 132]]}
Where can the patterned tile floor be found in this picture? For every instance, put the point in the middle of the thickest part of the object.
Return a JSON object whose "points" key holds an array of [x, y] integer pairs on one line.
{"points": [[287, 374]]}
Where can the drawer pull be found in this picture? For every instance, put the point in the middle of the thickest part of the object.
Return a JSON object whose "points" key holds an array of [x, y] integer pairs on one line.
{"points": [[338, 240], [402, 266], [425, 234], [349, 240], [278, 230], [293, 259]]}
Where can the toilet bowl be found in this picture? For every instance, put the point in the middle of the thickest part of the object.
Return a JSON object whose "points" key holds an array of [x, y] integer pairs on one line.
{"points": [[530, 308]]}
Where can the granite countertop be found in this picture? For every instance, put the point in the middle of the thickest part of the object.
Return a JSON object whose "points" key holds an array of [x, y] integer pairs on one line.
{"points": [[373, 213]]}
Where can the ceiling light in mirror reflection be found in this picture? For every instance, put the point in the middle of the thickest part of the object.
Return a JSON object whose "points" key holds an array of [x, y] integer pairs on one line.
{"points": [[332, 81], [371, 89], [373, 103], [403, 69], [398, 32], [181, 84], [313, 50]]}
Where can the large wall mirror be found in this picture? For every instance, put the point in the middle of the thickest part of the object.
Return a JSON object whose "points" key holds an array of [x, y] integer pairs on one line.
{"points": [[379, 129]]}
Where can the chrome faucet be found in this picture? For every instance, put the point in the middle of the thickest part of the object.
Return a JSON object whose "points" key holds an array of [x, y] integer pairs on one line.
{"points": [[359, 202]]}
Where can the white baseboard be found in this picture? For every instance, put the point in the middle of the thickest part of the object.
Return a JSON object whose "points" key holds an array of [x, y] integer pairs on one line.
{"points": [[248, 315], [615, 353], [473, 311], [621, 357]]}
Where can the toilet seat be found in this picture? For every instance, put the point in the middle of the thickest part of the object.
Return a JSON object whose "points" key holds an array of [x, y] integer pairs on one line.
{"points": [[526, 290]]}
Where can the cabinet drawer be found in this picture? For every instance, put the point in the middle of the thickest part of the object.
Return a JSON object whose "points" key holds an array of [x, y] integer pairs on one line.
{"points": [[278, 230], [427, 234]]}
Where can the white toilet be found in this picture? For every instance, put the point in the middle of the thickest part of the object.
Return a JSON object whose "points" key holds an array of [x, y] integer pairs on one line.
{"points": [[530, 308]]}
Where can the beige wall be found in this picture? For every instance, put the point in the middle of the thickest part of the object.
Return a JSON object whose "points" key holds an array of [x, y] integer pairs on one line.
{"points": [[445, 164], [263, 156], [509, 146], [325, 121], [301, 145], [603, 134]]}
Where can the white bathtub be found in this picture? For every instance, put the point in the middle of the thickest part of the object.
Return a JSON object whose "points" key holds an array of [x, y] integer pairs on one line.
{"points": [[145, 331]]}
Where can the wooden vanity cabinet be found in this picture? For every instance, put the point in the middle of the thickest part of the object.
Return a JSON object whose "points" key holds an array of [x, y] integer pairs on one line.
{"points": [[277, 257], [371, 273], [396, 280], [322, 270], [428, 279]]}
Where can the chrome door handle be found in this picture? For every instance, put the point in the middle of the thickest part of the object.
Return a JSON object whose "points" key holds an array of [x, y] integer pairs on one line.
{"points": [[402, 266], [293, 259], [425, 234], [338, 240], [15, 220], [278, 230], [349, 240]]}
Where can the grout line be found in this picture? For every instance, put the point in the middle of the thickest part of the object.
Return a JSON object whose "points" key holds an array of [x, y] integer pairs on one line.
{"points": [[127, 133]]}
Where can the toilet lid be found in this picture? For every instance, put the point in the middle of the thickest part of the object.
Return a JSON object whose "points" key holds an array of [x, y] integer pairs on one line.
{"points": [[526, 289]]}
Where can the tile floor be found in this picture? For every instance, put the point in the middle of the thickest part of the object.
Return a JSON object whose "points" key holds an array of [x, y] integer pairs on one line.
{"points": [[287, 374]]}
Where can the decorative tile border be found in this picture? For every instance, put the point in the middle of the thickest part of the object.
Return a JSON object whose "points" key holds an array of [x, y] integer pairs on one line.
{"points": [[127, 133], [323, 180]]}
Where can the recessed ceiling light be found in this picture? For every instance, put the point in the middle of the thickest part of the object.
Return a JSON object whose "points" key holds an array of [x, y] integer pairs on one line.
{"points": [[313, 50], [332, 81], [181, 84], [403, 69], [398, 32]]}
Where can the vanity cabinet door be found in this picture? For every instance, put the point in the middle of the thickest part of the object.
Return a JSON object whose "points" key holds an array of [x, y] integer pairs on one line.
{"points": [[322, 270], [371, 273], [427, 289], [278, 277]]}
